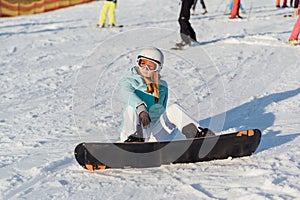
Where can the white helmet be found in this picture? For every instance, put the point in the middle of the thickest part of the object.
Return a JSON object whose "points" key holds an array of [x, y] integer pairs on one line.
{"points": [[152, 53]]}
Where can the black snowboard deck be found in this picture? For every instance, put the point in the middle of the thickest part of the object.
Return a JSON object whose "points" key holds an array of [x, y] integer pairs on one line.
{"points": [[97, 156]]}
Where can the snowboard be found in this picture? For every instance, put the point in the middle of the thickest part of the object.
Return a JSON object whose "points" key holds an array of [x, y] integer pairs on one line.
{"points": [[178, 48], [97, 156], [194, 44], [107, 27]]}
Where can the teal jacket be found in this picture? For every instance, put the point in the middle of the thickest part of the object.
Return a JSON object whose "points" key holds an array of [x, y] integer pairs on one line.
{"points": [[133, 91]]}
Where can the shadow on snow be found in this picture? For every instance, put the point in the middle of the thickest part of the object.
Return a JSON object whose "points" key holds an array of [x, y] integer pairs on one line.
{"points": [[253, 114]]}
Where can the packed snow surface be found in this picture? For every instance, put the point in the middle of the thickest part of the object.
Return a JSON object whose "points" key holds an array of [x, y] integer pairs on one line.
{"points": [[59, 87]]}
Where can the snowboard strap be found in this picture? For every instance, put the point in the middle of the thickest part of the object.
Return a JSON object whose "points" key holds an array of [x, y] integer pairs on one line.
{"points": [[247, 133], [93, 168]]}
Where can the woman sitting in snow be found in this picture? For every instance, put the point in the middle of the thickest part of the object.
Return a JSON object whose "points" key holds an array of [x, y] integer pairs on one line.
{"points": [[145, 95]]}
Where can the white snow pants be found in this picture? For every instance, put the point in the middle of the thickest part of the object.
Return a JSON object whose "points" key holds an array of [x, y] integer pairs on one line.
{"points": [[168, 127]]}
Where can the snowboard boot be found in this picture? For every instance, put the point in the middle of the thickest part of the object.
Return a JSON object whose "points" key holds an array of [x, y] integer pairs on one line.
{"points": [[192, 11], [183, 44], [137, 136], [191, 131], [100, 26], [134, 138], [237, 17], [206, 132]]}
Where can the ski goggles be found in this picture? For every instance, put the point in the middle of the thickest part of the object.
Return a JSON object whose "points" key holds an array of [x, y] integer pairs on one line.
{"points": [[148, 64]]}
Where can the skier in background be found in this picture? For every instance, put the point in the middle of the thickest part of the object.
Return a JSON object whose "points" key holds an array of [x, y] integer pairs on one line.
{"points": [[284, 5], [108, 7], [296, 30], [235, 10], [187, 32], [145, 111], [241, 7], [203, 7]]}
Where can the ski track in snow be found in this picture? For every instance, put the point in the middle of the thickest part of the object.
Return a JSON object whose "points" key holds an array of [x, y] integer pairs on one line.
{"points": [[242, 69], [43, 174]]}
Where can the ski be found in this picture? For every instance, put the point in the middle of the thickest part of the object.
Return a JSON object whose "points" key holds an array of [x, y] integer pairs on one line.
{"points": [[99, 156]]}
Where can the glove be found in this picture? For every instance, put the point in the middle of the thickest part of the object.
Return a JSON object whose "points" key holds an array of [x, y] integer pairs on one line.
{"points": [[145, 119]]}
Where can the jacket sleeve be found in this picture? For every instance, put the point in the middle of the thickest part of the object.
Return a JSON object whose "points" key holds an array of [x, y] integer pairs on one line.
{"points": [[128, 94]]}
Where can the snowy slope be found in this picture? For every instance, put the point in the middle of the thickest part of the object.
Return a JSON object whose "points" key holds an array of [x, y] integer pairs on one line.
{"points": [[59, 87]]}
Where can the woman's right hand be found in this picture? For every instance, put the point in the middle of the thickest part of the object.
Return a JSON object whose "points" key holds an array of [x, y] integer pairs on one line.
{"points": [[145, 119]]}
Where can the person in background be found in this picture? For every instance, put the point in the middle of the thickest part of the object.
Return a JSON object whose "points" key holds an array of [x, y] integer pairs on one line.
{"points": [[284, 4], [108, 7], [235, 10], [295, 13], [187, 32], [296, 31], [203, 7], [241, 7]]}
